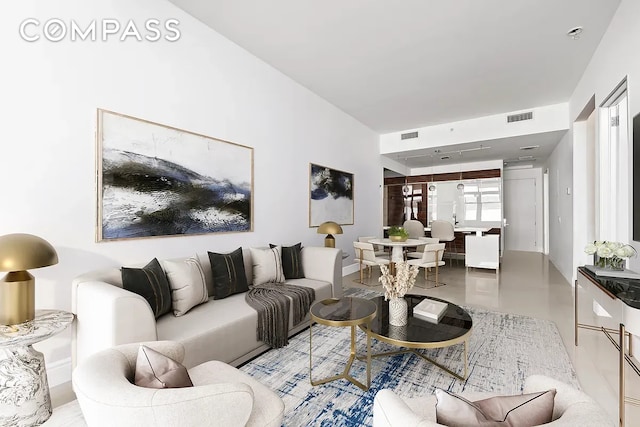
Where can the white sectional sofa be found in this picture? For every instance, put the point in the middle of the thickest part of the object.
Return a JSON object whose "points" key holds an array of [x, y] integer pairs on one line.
{"points": [[222, 329]]}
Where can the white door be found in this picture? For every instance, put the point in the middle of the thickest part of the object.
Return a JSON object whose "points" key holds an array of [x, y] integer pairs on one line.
{"points": [[520, 214]]}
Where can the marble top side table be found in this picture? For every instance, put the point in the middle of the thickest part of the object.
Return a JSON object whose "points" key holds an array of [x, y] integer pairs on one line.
{"points": [[24, 390]]}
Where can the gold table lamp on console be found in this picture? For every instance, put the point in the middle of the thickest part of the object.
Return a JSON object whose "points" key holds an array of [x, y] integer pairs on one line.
{"points": [[18, 253]]}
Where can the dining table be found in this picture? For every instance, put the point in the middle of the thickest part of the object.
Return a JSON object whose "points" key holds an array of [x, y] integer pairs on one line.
{"points": [[397, 248]]}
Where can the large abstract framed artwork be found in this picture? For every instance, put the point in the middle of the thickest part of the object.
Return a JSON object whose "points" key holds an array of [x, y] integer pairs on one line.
{"points": [[330, 196], [156, 180]]}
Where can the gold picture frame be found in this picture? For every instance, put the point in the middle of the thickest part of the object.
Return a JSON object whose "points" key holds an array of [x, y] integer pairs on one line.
{"points": [[331, 196], [155, 180]]}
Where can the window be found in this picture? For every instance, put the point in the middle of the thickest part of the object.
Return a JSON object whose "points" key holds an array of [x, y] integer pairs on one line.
{"points": [[482, 201], [479, 201], [613, 168]]}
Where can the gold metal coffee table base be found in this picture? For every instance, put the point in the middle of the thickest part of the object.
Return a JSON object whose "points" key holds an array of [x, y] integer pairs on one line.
{"points": [[433, 362], [353, 356], [453, 327]]}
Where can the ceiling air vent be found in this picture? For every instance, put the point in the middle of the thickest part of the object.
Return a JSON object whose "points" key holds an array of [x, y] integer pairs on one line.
{"points": [[409, 135], [520, 159], [520, 117]]}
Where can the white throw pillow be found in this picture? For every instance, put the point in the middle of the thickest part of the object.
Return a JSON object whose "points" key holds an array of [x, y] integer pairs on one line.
{"points": [[267, 265], [188, 287]]}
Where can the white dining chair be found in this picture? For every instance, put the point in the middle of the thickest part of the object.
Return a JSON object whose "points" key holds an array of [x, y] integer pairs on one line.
{"points": [[444, 232], [365, 257], [420, 249], [431, 258], [378, 249]]}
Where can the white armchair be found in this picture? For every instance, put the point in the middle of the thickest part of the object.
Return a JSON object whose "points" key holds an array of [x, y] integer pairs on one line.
{"points": [[571, 407], [222, 395]]}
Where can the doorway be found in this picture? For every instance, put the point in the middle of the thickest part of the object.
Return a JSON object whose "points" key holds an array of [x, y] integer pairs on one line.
{"points": [[520, 230]]}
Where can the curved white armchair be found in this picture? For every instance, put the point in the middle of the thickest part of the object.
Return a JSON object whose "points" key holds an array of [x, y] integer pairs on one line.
{"points": [[571, 407], [222, 395]]}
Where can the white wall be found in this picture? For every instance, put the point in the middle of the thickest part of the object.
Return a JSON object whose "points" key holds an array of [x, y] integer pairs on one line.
{"points": [[560, 167], [536, 174], [458, 167], [545, 119], [202, 83], [614, 59], [584, 189]]}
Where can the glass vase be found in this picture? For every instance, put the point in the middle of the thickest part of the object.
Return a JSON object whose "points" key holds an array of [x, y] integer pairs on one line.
{"points": [[398, 311], [612, 263]]}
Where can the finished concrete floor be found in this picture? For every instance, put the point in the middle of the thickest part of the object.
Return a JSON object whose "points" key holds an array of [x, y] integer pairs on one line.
{"points": [[529, 284]]}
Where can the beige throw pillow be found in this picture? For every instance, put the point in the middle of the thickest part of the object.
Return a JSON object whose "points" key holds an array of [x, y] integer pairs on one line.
{"points": [[155, 370], [188, 286], [267, 265], [525, 410]]}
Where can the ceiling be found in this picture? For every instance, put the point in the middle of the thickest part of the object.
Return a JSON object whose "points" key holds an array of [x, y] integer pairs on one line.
{"points": [[412, 63], [515, 151]]}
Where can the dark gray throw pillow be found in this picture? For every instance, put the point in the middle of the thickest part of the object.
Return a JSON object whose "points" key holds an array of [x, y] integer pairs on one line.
{"points": [[229, 276], [292, 261], [151, 283]]}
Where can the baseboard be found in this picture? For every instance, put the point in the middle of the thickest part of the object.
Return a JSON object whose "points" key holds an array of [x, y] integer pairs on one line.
{"points": [[349, 269], [59, 372]]}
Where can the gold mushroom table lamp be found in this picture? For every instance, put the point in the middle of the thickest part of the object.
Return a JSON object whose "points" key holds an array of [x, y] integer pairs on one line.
{"points": [[330, 228], [23, 375], [19, 253]]}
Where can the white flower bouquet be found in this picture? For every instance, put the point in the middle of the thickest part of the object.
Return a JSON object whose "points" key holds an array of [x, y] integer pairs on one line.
{"points": [[398, 285], [609, 255]]}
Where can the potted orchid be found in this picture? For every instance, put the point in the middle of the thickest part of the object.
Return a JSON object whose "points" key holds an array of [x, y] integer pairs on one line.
{"points": [[609, 255], [395, 287]]}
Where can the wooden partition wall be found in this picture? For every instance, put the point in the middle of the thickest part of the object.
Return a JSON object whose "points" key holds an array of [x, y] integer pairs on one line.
{"points": [[395, 198]]}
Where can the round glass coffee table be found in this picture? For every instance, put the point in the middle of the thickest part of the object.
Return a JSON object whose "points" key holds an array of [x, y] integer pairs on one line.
{"points": [[453, 328], [346, 311]]}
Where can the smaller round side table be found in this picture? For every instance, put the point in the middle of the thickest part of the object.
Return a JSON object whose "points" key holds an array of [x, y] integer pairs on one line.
{"points": [[24, 390], [345, 311]]}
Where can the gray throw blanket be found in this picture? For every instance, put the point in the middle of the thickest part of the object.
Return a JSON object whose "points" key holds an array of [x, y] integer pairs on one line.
{"points": [[271, 302]]}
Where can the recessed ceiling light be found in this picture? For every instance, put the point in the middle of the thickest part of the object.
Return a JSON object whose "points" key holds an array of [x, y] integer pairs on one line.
{"points": [[529, 147], [574, 33]]}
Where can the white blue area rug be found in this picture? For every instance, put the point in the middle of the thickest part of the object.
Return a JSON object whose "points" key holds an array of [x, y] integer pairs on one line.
{"points": [[504, 349]]}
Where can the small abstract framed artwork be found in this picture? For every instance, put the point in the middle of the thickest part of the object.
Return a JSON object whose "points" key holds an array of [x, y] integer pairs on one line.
{"points": [[330, 196], [156, 180]]}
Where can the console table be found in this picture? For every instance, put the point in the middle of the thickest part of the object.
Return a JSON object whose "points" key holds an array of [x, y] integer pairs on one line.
{"points": [[25, 400], [620, 298]]}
